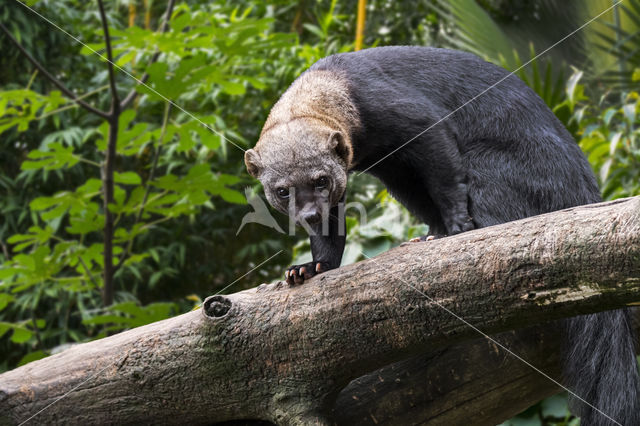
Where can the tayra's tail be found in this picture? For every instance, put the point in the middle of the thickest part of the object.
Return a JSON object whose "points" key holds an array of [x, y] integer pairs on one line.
{"points": [[602, 369]]}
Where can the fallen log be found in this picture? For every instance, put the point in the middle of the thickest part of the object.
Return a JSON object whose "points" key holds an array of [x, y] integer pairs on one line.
{"points": [[284, 354]]}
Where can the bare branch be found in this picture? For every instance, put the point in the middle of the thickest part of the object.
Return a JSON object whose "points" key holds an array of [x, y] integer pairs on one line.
{"points": [[5, 250], [108, 168], [88, 271], [54, 80], [164, 26], [107, 195], [115, 101]]}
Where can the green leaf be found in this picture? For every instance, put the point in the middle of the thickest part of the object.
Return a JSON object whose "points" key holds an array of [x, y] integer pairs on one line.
{"points": [[629, 111], [315, 30], [376, 246], [4, 300], [32, 356], [85, 222], [608, 115], [57, 157], [555, 406], [134, 315], [573, 88], [4, 327], [233, 196], [106, 319], [127, 178], [127, 308], [233, 88], [20, 334], [36, 235]]}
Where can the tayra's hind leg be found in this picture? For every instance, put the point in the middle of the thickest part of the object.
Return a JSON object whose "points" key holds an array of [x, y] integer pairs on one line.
{"points": [[447, 190], [443, 175]]}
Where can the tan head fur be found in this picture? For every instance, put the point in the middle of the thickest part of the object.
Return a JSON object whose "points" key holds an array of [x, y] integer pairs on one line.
{"points": [[307, 136]]}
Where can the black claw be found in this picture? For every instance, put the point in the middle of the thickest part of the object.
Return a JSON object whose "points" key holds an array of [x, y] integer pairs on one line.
{"points": [[297, 274]]}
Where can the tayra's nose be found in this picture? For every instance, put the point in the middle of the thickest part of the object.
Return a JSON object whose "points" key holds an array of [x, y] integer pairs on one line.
{"points": [[311, 217]]}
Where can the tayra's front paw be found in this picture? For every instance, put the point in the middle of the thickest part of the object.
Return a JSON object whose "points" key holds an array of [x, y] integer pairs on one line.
{"points": [[296, 274]]}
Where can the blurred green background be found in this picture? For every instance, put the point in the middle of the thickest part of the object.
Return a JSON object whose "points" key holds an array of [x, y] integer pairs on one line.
{"points": [[180, 188]]}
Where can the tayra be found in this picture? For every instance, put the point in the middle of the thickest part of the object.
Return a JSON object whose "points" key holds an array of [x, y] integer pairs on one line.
{"points": [[463, 145]]}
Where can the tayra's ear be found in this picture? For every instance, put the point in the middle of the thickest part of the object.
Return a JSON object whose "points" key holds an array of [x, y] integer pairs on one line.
{"points": [[341, 146], [253, 163]]}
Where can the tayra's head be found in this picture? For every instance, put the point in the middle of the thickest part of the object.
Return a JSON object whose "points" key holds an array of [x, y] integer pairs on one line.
{"points": [[303, 167]]}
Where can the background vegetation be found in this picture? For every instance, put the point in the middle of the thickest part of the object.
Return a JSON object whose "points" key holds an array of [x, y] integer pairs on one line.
{"points": [[179, 178]]}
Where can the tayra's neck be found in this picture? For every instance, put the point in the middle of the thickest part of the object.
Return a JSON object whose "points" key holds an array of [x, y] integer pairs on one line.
{"points": [[320, 95]]}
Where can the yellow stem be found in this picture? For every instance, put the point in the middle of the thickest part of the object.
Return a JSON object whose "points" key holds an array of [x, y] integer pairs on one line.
{"points": [[360, 23], [147, 14], [295, 26], [132, 14]]}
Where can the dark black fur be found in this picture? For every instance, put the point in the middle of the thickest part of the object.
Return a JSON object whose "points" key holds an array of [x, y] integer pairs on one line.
{"points": [[326, 247], [502, 157]]}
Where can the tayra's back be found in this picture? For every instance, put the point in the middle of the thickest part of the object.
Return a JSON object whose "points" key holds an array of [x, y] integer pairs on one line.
{"points": [[443, 80], [519, 158], [421, 105]]}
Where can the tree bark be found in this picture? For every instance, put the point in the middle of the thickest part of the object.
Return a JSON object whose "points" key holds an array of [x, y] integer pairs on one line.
{"points": [[283, 354], [472, 382]]}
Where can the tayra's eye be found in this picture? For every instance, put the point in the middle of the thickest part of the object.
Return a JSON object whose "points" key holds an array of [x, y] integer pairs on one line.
{"points": [[322, 182], [283, 192]]}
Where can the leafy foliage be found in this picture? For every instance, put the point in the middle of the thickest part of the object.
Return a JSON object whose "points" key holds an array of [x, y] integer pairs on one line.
{"points": [[165, 176], [617, 46], [179, 173], [552, 411], [610, 136]]}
